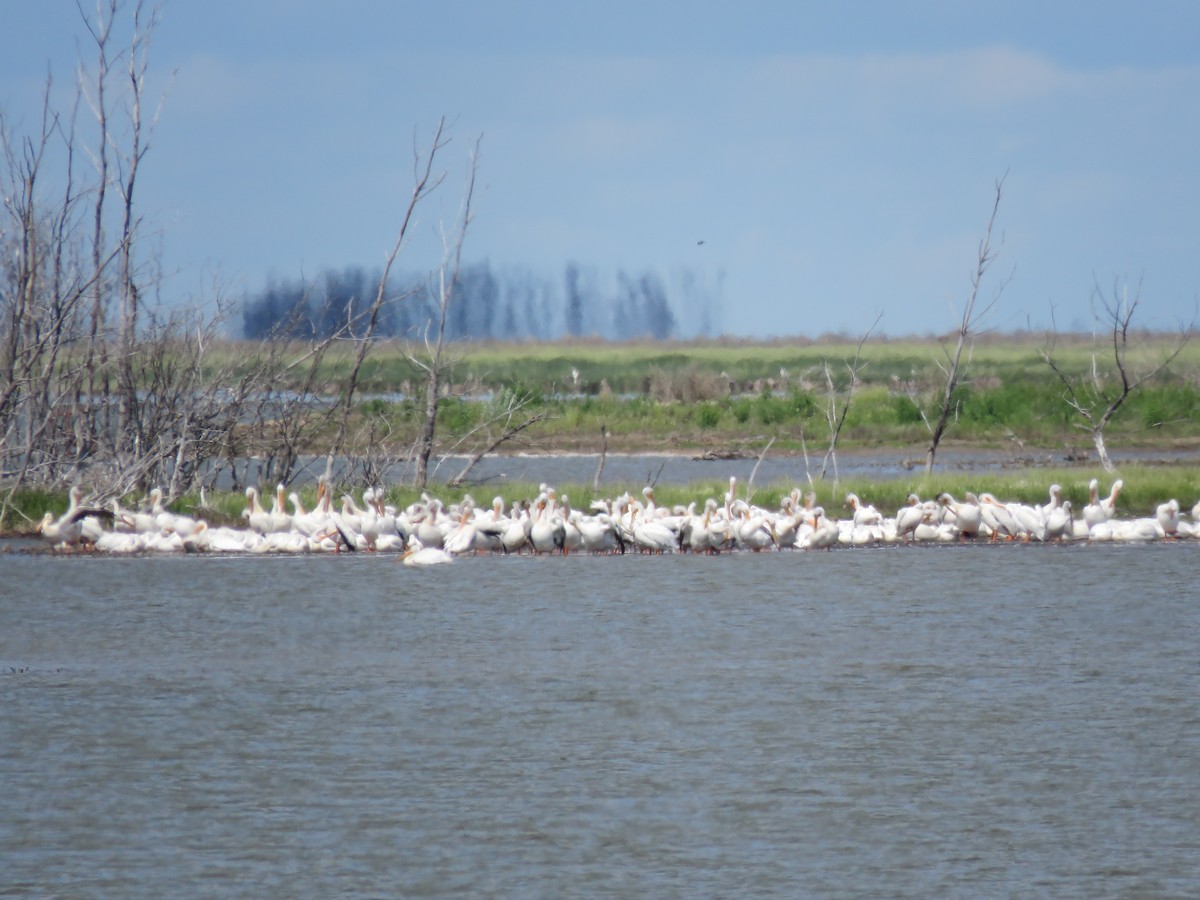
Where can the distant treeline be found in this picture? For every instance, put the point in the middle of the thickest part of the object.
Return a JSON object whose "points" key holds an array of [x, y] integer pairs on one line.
{"points": [[512, 304]]}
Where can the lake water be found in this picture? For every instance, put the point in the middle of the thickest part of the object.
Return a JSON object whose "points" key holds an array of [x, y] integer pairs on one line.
{"points": [[963, 721], [634, 470]]}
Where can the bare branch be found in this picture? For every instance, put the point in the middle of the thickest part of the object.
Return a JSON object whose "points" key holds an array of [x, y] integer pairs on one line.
{"points": [[968, 327]]}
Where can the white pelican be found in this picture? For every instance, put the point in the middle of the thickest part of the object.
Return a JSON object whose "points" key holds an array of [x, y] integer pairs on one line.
{"points": [[1101, 510], [598, 533], [1031, 521], [515, 535], [121, 542], [651, 536], [65, 531], [281, 520], [909, 516], [1056, 500], [353, 515], [997, 517], [257, 517], [390, 535], [825, 533], [787, 523], [174, 523], [431, 526], [547, 534], [368, 521], [220, 540], [1167, 515], [1137, 531], [490, 527], [307, 523], [572, 538], [698, 535], [863, 514], [1110, 502], [754, 532], [930, 529], [650, 510], [92, 529], [461, 538], [968, 515], [144, 520], [282, 542], [418, 555], [1059, 523]]}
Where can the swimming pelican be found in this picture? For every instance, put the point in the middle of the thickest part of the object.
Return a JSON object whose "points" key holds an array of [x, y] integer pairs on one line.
{"points": [[418, 555]]}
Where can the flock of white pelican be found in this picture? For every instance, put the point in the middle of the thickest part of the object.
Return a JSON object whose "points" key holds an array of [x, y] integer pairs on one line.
{"points": [[429, 532]]}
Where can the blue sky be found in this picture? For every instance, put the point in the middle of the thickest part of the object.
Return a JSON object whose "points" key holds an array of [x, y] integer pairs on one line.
{"points": [[836, 160]]}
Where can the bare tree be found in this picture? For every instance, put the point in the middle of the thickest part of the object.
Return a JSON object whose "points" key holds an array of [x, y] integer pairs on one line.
{"points": [[80, 332], [424, 182], [505, 419], [1096, 395], [43, 280], [435, 360], [953, 368], [117, 156], [835, 417]]}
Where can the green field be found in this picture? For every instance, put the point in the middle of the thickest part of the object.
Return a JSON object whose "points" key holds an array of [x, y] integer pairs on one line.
{"points": [[734, 396]]}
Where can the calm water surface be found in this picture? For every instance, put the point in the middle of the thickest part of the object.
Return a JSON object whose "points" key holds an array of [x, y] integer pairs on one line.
{"points": [[982, 721]]}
